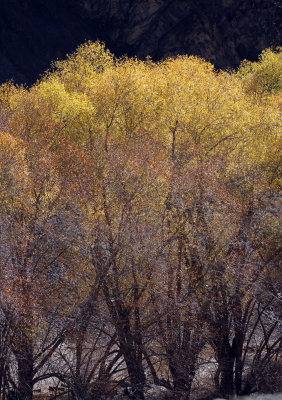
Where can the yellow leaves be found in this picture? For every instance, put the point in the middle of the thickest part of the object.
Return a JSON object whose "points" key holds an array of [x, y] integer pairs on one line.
{"points": [[83, 65], [11, 146], [71, 109], [137, 129], [114, 111], [12, 157], [13, 169], [265, 75], [151, 179]]}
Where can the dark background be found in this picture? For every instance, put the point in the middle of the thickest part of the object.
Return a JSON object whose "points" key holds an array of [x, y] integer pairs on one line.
{"points": [[35, 32]]}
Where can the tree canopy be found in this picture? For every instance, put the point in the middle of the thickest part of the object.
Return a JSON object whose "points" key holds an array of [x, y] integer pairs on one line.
{"points": [[139, 225]]}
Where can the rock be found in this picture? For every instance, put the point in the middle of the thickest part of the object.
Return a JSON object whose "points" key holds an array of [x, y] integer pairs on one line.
{"points": [[156, 392]]}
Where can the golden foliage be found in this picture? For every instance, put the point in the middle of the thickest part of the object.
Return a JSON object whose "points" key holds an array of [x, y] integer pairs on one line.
{"points": [[144, 176]]}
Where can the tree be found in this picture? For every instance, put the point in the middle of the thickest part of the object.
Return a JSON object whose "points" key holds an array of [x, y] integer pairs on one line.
{"points": [[144, 198]]}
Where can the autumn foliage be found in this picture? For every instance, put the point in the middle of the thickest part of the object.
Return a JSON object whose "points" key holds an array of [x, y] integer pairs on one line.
{"points": [[139, 226]]}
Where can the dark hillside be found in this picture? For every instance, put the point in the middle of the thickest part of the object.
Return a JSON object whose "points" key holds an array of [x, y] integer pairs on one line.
{"points": [[35, 32]]}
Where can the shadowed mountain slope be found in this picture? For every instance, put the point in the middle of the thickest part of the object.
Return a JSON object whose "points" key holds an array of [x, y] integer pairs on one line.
{"points": [[35, 32]]}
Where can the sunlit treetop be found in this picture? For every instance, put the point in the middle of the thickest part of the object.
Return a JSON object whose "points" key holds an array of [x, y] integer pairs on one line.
{"points": [[265, 75]]}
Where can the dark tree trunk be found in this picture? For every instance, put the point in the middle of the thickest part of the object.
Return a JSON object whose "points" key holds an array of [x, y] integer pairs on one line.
{"points": [[133, 363], [237, 350], [238, 375], [130, 341], [182, 374], [226, 382], [2, 375], [181, 381], [25, 376], [225, 358]]}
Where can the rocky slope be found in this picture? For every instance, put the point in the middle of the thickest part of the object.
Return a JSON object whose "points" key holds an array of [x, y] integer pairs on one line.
{"points": [[35, 32]]}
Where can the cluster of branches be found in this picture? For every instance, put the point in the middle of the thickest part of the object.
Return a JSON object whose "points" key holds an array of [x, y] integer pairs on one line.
{"points": [[139, 235]]}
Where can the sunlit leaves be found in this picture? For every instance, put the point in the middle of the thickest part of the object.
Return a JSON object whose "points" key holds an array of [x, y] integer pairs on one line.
{"points": [[152, 185], [265, 75]]}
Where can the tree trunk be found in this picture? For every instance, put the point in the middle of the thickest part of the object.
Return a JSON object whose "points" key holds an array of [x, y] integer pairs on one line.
{"points": [[2, 372], [226, 385], [225, 358], [182, 372], [25, 376], [130, 342], [238, 375], [133, 364]]}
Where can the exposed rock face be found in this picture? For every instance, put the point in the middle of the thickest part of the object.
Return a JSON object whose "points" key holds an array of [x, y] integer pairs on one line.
{"points": [[35, 32]]}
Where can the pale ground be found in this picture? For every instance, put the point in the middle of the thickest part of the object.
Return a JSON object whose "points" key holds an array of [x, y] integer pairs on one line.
{"points": [[257, 396]]}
